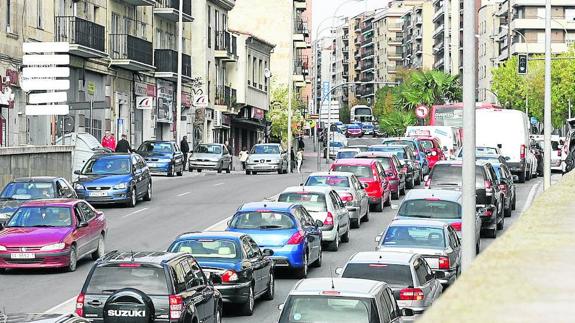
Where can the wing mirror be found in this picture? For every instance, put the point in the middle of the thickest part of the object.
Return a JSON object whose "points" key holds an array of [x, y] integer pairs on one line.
{"points": [[82, 224], [364, 185], [318, 223], [378, 237], [268, 252], [77, 172], [339, 271]]}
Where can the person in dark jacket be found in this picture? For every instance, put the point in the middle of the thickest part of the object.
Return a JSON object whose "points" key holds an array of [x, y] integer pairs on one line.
{"points": [[123, 146], [185, 149]]}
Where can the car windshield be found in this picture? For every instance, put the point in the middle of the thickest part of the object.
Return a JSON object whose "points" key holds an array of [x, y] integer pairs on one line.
{"points": [[359, 171], [482, 151], [313, 202], [399, 152], [265, 149], [414, 237], [109, 165], [156, 147], [28, 191], [444, 174], [207, 248], [109, 279], [409, 143], [426, 144], [49, 216], [385, 161], [336, 144], [262, 220], [346, 154], [328, 309], [353, 126], [389, 273], [209, 149], [328, 180], [430, 208]]}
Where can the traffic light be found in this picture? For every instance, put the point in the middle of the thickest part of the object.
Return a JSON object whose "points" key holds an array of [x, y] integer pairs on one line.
{"points": [[522, 64]]}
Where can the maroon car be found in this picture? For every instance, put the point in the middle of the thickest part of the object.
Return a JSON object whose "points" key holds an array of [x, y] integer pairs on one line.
{"points": [[353, 130], [52, 233], [393, 170]]}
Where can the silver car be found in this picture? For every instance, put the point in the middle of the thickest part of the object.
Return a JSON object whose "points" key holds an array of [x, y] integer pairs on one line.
{"points": [[210, 156], [436, 241], [413, 283], [349, 189], [267, 158]]}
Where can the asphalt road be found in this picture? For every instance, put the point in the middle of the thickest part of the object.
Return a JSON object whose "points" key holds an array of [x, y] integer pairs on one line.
{"points": [[190, 203]]}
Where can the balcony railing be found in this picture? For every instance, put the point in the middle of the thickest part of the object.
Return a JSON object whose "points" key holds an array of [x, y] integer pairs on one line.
{"points": [[366, 77], [225, 95], [366, 27], [301, 65], [124, 46], [367, 52], [79, 31], [166, 60], [226, 41], [300, 25], [175, 4], [367, 65]]}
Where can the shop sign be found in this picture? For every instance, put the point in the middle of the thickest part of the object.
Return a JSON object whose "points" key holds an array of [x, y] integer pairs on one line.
{"points": [[144, 102], [257, 114], [165, 104]]}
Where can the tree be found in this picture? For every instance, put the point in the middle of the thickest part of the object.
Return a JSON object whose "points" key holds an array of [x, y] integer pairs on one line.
{"points": [[383, 101], [428, 88], [394, 123], [344, 114], [278, 113]]}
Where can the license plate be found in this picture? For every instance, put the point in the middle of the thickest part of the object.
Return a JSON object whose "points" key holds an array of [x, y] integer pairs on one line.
{"points": [[98, 193], [152, 165], [22, 255]]}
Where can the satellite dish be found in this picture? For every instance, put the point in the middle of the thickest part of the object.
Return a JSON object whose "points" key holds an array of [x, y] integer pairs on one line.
{"points": [[267, 73]]}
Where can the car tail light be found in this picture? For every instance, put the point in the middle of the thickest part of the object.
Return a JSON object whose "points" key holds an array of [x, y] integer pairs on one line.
{"points": [[488, 186], [80, 305], [559, 153], [488, 213], [346, 197], [444, 262], [176, 306], [456, 226], [328, 219], [296, 238], [522, 152], [411, 294], [229, 276], [433, 153]]}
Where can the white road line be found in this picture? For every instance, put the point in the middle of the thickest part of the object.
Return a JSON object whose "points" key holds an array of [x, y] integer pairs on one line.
{"points": [[64, 304], [185, 193], [218, 184], [135, 212], [530, 197]]}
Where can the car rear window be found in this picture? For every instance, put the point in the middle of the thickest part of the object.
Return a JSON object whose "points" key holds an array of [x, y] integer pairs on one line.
{"points": [[408, 143], [444, 174], [426, 144], [209, 149], [108, 279], [392, 274], [313, 202], [414, 236], [430, 208], [28, 191], [262, 220], [108, 165], [334, 181], [359, 171], [399, 152], [346, 154], [265, 149], [157, 147], [324, 308], [207, 248]]}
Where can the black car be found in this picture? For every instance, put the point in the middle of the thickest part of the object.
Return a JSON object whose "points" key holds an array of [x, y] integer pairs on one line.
{"points": [[409, 165], [507, 185], [149, 287], [246, 271], [489, 198], [162, 157], [24, 189]]}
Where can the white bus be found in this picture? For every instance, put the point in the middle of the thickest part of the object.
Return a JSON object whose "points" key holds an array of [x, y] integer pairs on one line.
{"points": [[361, 113]]}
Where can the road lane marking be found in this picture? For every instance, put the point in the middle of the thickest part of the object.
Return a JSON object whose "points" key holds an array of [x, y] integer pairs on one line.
{"points": [[218, 184], [530, 197], [135, 212], [63, 304], [185, 193]]}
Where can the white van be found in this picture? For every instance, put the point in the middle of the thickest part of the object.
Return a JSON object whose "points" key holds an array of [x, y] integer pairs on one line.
{"points": [[85, 146], [448, 137], [509, 130]]}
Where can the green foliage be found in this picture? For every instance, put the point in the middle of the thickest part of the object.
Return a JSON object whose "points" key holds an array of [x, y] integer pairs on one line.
{"points": [[395, 122], [344, 114], [278, 114]]}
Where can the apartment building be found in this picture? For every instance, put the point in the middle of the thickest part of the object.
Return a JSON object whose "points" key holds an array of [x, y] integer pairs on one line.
{"points": [[389, 50], [447, 32], [322, 70], [487, 50], [417, 42], [340, 62]]}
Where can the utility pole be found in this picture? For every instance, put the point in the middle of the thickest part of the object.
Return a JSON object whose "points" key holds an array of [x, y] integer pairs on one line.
{"points": [[547, 105], [469, 82], [179, 85], [290, 86]]}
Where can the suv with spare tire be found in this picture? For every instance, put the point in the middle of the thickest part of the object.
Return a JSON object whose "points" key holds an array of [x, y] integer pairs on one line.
{"points": [[149, 287]]}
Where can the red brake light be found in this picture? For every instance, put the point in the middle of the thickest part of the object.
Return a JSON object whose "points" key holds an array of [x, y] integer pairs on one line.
{"points": [[346, 197], [176, 306], [229, 276], [432, 199], [411, 294], [488, 213], [377, 265], [444, 262], [522, 152], [330, 292], [456, 226], [296, 238], [80, 305], [329, 219]]}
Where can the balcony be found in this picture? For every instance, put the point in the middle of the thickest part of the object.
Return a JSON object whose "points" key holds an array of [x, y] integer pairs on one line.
{"points": [[395, 41], [85, 37], [166, 63], [366, 41], [225, 96], [345, 62], [131, 53], [418, 21], [395, 27], [300, 69], [367, 27], [367, 53], [357, 26], [438, 31], [300, 4], [438, 14], [367, 65], [140, 2], [396, 55], [366, 77], [301, 31], [226, 47], [169, 10], [438, 48], [225, 4]]}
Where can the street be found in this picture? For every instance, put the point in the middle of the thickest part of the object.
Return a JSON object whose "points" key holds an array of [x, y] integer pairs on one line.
{"points": [[198, 201]]}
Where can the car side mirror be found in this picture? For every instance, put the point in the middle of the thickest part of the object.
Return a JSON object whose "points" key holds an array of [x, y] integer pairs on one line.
{"points": [[268, 252], [407, 312], [82, 224], [77, 172], [499, 146], [280, 307], [300, 184], [1, 226], [507, 158], [439, 274], [339, 271], [319, 223], [378, 237]]}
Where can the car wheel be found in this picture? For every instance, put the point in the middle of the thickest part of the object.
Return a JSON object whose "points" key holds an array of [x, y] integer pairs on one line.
{"points": [[319, 259], [220, 168], [334, 245], [411, 183], [501, 224], [395, 195], [190, 169], [248, 172], [302, 272], [73, 260], [478, 246], [366, 216], [507, 212], [522, 178], [255, 173], [171, 171], [133, 198], [513, 204], [402, 191], [379, 206], [280, 170], [248, 307], [219, 314], [229, 170], [100, 252], [269, 295], [355, 223], [148, 196], [345, 236]]}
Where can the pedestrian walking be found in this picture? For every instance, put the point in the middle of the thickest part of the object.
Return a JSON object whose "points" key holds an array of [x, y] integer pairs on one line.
{"points": [[185, 148], [109, 141], [123, 145], [299, 157], [292, 157], [300, 143], [229, 148], [244, 157]]}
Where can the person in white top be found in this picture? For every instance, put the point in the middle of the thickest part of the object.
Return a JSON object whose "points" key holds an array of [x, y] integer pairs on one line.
{"points": [[299, 158], [244, 157]]}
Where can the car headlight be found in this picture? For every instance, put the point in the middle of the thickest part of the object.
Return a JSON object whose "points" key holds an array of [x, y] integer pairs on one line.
{"points": [[121, 186], [2, 248], [79, 186], [52, 247]]}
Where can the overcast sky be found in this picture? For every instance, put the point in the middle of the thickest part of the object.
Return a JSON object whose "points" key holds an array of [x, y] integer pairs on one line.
{"points": [[322, 9]]}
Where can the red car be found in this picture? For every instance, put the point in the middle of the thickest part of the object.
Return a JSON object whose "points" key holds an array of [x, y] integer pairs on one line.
{"points": [[354, 130], [52, 233], [371, 173], [393, 170], [432, 149]]}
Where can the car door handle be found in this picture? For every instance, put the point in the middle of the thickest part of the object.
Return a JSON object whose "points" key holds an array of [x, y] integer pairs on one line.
{"points": [[95, 303]]}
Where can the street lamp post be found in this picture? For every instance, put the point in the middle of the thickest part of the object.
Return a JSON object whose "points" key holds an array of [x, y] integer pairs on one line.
{"points": [[547, 105]]}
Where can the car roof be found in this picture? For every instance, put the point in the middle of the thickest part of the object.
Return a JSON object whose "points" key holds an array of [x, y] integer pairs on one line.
{"points": [[354, 161], [311, 189], [346, 286], [415, 222], [375, 154], [388, 257], [160, 141], [267, 144], [334, 173], [348, 149], [35, 179], [113, 155], [389, 146], [272, 206], [51, 202], [458, 163], [211, 235], [446, 195], [399, 138], [147, 257]]}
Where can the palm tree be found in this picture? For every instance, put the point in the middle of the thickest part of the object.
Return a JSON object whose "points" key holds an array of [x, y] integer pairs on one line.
{"points": [[428, 88]]}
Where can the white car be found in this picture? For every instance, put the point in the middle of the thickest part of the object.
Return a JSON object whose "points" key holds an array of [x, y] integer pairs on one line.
{"points": [[324, 204]]}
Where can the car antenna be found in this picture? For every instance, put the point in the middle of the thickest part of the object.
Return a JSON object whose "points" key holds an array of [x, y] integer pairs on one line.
{"points": [[331, 276]]}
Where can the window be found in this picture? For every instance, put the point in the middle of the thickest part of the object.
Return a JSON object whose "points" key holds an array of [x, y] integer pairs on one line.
{"points": [[254, 247], [87, 211], [9, 16], [421, 273], [209, 27], [386, 310], [254, 66], [39, 14]]}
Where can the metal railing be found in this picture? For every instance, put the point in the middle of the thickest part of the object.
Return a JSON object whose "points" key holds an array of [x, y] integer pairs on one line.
{"points": [[124, 46], [225, 95], [166, 60], [226, 41], [366, 27], [301, 64], [175, 4], [367, 52], [80, 31], [300, 25]]}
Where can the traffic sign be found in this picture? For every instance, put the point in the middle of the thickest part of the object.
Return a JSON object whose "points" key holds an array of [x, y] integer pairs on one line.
{"points": [[533, 121], [91, 88], [421, 111]]}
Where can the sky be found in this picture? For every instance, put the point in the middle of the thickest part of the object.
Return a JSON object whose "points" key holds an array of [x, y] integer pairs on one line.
{"points": [[323, 9]]}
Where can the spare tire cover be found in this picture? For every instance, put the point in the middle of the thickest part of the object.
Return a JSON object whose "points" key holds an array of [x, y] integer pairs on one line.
{"points": [[129, 305]]}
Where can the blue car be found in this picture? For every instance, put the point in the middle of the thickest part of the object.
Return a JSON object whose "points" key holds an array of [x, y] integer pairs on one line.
{"points": [[415, 145], [246, 272], [287, 229], [162, 157], [114, 179], [367, 128]]}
